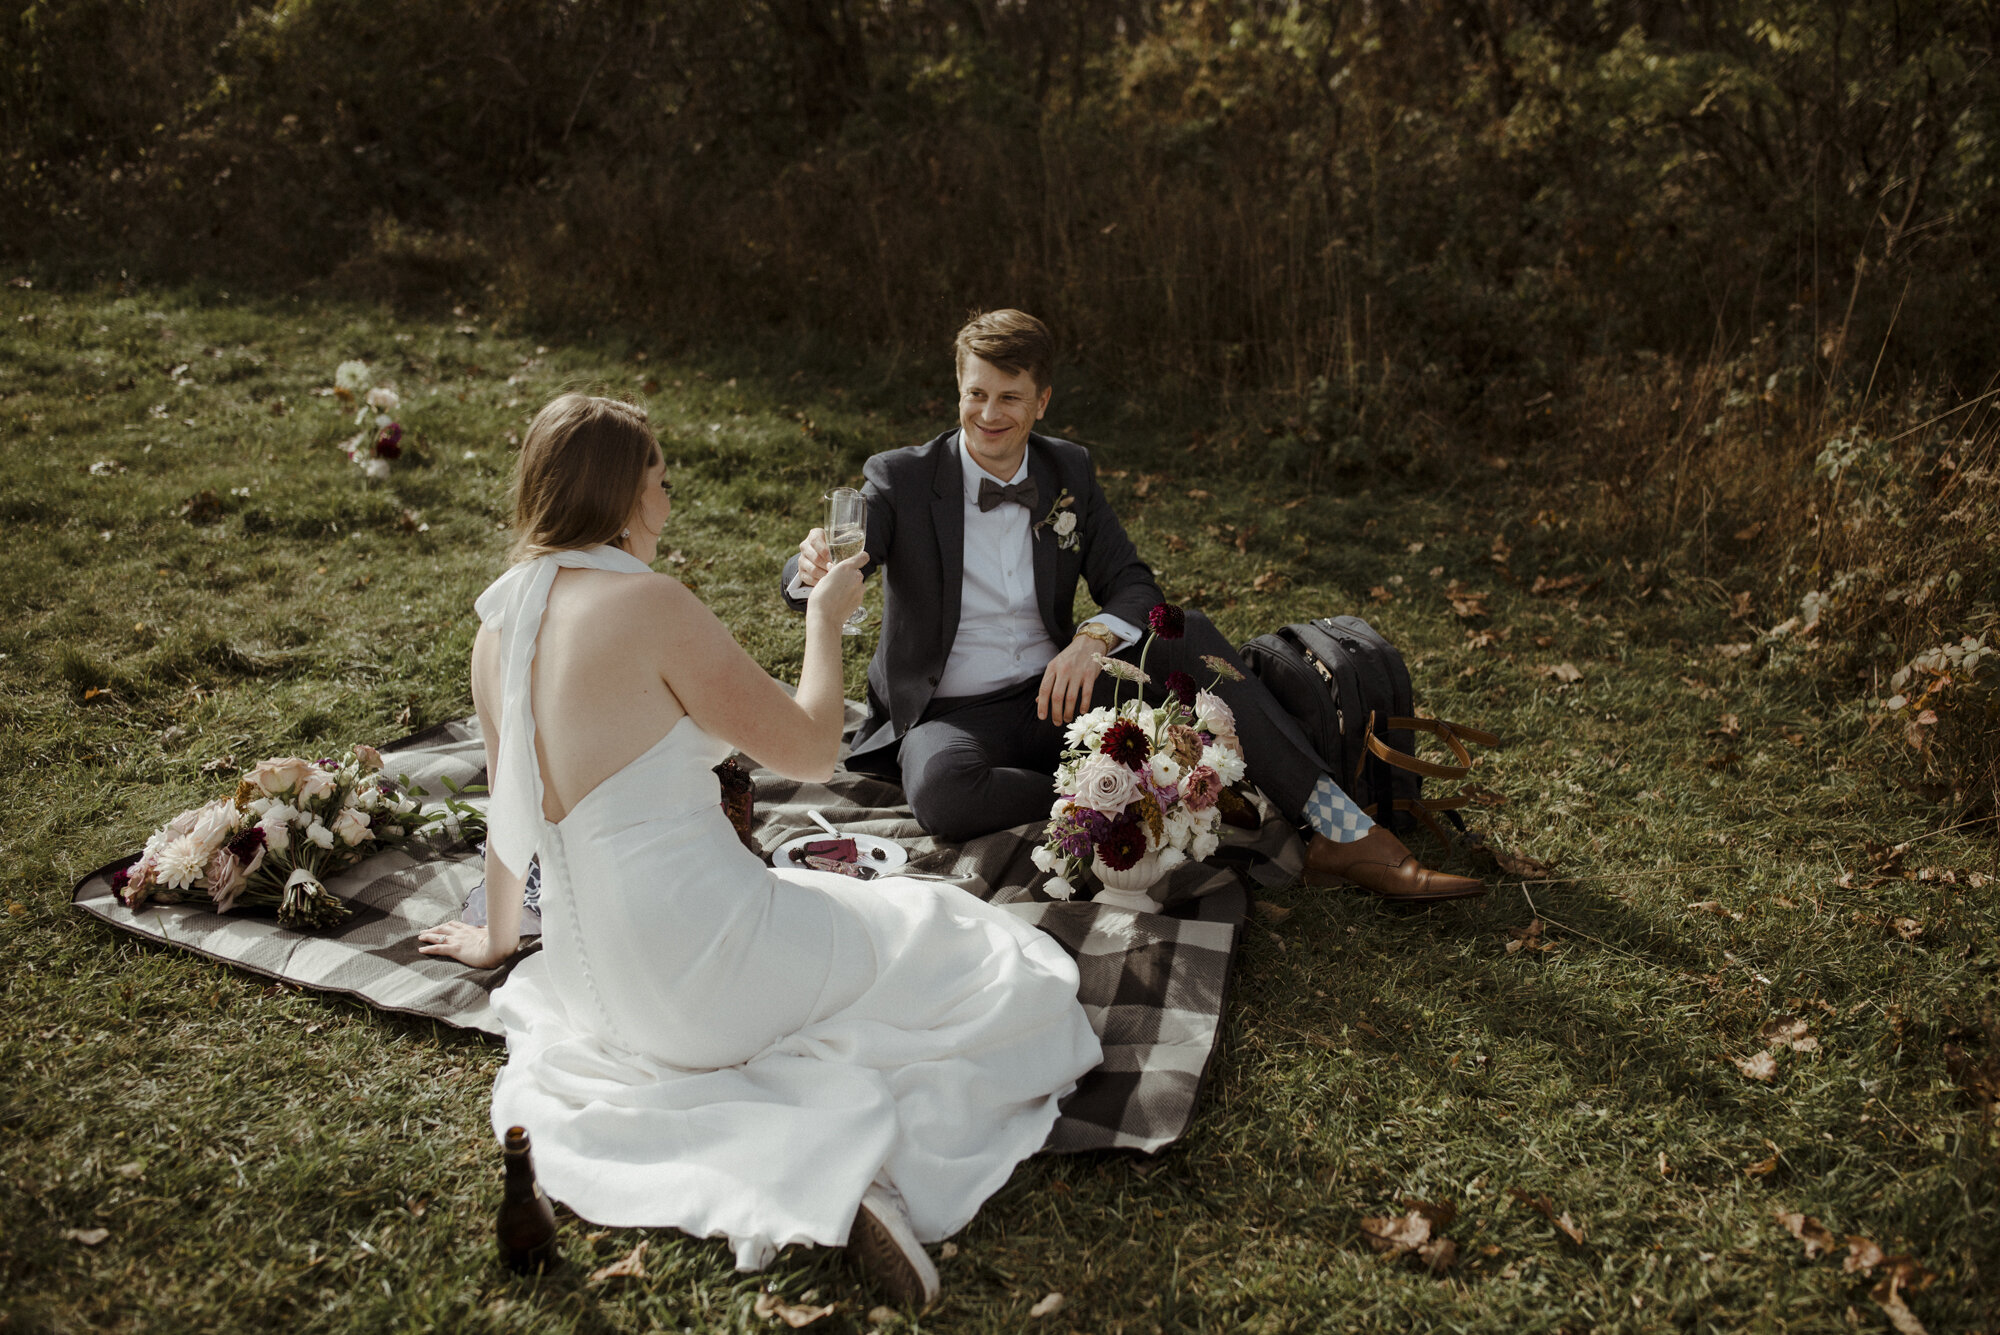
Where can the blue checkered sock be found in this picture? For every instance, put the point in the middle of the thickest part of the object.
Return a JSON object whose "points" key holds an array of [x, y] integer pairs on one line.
{"points": [[1334, 815]]}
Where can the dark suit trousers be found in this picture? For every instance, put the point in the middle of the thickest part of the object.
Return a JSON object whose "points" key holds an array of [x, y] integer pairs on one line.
{"points": [[976, 764]]}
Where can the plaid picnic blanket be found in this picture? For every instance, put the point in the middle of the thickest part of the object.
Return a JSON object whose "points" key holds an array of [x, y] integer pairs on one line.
{"points": [[1153, 984]]}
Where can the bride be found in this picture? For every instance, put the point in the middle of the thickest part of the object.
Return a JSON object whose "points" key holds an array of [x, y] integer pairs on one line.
{"points": [[705, 1043]]}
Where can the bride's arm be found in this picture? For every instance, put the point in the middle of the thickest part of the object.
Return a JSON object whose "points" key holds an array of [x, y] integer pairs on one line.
{"points": [[735, 701], [484, 947]]}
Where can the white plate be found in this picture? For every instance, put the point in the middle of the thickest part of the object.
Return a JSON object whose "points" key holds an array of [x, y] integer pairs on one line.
{"points": [[866, 846]]}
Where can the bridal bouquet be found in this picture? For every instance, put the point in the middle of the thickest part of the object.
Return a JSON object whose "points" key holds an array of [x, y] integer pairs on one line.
{"points": [[291, 824], [1139, 785], [380, 440]]}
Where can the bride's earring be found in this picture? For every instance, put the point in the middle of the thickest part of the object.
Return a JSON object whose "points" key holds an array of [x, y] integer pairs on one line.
{"points": [[624, 534]]}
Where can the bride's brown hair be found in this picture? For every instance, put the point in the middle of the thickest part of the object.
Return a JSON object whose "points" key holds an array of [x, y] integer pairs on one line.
{"points": [[579, 474]]}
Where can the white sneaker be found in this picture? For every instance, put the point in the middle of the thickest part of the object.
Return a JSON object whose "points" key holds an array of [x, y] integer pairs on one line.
{"points": [[884, 1245]]}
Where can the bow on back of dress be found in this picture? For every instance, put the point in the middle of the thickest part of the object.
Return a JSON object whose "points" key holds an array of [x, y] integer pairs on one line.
{"points": [[512, 607]]}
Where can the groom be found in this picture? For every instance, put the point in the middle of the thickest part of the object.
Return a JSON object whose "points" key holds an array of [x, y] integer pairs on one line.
{"points": [[982, 535]]}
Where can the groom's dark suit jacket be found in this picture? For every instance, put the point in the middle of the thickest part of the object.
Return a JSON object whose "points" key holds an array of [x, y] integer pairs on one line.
{"points": [[916, 540]]}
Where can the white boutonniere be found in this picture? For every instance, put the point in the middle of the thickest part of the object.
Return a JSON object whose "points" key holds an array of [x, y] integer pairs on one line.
{"points": [[1062, 519]]}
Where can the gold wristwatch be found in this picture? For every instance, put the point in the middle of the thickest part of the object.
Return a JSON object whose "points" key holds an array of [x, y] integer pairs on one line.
{"points": [[1100, 632]]}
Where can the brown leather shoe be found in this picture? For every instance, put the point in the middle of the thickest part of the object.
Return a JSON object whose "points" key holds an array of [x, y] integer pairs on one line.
{"points": [[1378, 863]]}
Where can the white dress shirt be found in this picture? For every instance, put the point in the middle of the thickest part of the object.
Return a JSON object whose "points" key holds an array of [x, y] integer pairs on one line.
{"points": [[1001, 640]]}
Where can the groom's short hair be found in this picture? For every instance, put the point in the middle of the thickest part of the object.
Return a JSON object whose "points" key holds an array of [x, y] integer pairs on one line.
{"points": [[1012, 340]]}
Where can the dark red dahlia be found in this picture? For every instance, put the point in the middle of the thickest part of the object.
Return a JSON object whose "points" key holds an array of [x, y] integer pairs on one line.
{"points": [[1123, 844], [1168, 621], [388, 445], [245, 845], [1125, 742], [1182, 687]]}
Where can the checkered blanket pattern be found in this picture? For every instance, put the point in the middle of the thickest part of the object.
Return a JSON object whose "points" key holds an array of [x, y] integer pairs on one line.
{"points": [[1153, 985]]}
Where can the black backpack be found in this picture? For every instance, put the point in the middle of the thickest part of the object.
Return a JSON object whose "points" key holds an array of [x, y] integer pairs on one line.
{"points": [[1349, 689]]}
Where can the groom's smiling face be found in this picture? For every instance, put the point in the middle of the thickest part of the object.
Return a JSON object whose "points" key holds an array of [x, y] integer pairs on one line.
{"points": [[997, 409]]}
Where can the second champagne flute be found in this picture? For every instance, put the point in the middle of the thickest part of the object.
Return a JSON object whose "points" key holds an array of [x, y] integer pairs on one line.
{"points": [[846, 534]]}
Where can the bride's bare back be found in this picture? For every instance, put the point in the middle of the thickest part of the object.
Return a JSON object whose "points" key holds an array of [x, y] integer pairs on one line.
{"points": [[621, 658]]}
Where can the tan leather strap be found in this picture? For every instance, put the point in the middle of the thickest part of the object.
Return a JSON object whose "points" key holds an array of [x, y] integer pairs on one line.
{"points": [[1430, 769], [1439, 727]]}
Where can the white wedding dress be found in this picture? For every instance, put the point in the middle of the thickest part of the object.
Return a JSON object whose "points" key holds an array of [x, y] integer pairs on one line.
{"points": [[707, 1044]]}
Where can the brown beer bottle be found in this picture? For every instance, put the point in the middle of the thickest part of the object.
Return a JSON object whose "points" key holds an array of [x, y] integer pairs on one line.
{"points": [[527, 1226]]}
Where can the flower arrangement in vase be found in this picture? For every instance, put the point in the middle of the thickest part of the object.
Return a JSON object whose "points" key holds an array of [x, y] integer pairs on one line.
{"points": [[1139, 785]]}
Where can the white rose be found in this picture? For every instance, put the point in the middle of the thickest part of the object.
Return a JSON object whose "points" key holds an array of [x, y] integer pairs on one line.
{"points": [[1213, 715], [1171, 858], [1042, 858], [351, 825], [1057, 888], [1205, 842], [1065, 523], [1166, 771], [1102, 784], [375, 470], [319, 834], [384, 398], [277, 826], [317, 784]]}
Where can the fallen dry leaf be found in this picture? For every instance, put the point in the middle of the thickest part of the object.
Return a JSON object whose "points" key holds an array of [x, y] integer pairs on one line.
{"points": [[1528, 938], [882, 1316], [1715, 907], [1271, 914], [1381, 595], [1729, 726], [1566, 673], [1762, 1066], [770, 1306], [1978, 1077], [89, 1237], [1438, 1255], [1544, 1207], [1741, 606], [1393, 1235], [1737, 650], [1808, 1230], [1521, 865], [633, 1266], [1049, 1305], [1268, 582], [1749, 532], [1908, 928], [949, 1250], [1762, 1168], [1787, 1031], [1470, 605], [1862, 1256], [1889, 1297]]}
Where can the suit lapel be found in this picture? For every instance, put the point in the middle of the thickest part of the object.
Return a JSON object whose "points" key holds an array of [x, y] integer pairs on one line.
{"points": [[948, 521], [1043, 540]]}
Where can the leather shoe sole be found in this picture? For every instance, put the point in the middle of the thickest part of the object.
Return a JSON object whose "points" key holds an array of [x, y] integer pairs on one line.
{"points": [[883, 1245]]}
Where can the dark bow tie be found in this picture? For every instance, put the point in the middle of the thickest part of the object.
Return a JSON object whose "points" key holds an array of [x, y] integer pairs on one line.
{"points": [[992, 495]]}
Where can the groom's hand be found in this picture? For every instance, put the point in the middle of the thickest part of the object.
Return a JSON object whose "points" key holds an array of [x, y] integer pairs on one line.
{"points": [[815, 558], [1068, 679]]}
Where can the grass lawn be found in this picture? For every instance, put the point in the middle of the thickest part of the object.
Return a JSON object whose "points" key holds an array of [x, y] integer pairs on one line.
{"points": [[259, 1157]]}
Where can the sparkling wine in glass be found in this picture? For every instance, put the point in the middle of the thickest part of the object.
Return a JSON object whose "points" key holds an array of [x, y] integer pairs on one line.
{"points": [[846, 534]]}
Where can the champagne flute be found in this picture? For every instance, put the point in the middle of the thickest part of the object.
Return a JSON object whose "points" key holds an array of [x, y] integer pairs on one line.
{"points": [[846, 535]]}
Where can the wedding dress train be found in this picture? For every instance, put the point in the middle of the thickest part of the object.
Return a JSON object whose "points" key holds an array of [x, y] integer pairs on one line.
{"points": [[708, 1044]]}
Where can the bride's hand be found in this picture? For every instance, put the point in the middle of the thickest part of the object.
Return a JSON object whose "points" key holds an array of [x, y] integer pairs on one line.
{"points": [[463, 942], [839, 590]]}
